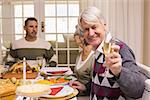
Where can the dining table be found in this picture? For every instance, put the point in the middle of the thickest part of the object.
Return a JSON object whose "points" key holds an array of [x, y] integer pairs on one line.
{"points": [[15, 97], [49, 71]]}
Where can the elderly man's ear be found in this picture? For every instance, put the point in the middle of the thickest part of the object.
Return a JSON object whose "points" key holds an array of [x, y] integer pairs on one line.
{"points": [[105, 26]]}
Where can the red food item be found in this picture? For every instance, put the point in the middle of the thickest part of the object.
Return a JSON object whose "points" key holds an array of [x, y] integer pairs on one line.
{"points": [[57, 72], [55, 90]]}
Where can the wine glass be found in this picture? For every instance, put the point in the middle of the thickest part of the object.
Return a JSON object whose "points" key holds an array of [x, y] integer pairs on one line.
{"points": [[39, 62], [108, 42]]}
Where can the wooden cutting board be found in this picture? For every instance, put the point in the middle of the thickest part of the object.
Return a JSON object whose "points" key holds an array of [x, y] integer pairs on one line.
{"points": [[32, 75]]}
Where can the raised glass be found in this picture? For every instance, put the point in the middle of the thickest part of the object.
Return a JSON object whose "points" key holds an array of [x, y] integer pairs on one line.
{"points": [[108, 42]]}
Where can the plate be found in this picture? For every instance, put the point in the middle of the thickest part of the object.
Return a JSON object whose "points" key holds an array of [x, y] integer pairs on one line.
{"points": [[33, 90], [56, 80], [58, 91], [53, 81], [55, 70]]}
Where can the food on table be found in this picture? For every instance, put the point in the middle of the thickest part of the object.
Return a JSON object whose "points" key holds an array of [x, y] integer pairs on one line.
{"points": [[33, 90], [16, 70], [6, 87], [43, 82], [32, 75], [35, 68], [2, 69], [42, 73], [20, 82], [56, 80], [57, 72], [13, 80]]}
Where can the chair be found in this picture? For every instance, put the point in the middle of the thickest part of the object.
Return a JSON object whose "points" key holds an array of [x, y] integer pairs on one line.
{"points": [[145, 70]]}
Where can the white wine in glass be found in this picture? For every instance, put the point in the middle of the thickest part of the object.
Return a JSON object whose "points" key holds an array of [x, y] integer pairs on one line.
{"points": [[39, 61], [106, 48]]}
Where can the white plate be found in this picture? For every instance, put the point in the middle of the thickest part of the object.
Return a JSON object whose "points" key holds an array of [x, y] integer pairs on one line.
{"points": [[33, 90], [56, 70], [66, 90]]}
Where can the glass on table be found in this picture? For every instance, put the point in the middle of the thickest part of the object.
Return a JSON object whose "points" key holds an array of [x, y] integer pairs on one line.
{"points": [[39, 62]]}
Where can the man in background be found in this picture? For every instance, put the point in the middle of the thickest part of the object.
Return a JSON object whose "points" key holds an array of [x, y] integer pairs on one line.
{"points": [[32, 46]]}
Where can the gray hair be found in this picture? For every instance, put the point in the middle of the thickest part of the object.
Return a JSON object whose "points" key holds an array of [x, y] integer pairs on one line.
{"points": [[78, 30], [91, 14]]}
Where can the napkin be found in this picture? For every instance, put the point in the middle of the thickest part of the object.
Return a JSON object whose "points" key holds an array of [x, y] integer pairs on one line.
{"points": [[55, 90]]}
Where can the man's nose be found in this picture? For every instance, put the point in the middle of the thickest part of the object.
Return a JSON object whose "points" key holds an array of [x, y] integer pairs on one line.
{"points": [[91, 32], [34, 28]]}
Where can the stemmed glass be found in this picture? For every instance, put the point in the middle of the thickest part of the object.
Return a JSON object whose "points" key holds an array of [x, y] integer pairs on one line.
{"points": [[39, 62], [108, 42]]}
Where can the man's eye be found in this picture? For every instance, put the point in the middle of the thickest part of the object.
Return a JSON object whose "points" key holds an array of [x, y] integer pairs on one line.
{"points": [[94, 27], [86, 29]]}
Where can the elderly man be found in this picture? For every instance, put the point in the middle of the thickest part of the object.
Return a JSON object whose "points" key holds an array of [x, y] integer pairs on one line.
{"points": [[124, 80]]}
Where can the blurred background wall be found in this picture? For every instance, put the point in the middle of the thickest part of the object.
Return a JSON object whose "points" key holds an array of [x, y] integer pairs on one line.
{"points": [[146, 39]]}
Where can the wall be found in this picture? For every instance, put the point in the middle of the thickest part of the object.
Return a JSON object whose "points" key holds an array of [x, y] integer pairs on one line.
{"points": [[146, 43]]}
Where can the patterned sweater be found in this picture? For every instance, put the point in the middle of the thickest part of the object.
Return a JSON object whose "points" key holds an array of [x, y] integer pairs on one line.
{"points": [[39, 48], [105, 86]]}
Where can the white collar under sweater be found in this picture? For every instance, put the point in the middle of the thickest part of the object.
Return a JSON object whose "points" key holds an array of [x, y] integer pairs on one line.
{"points": [[99, 49]]}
